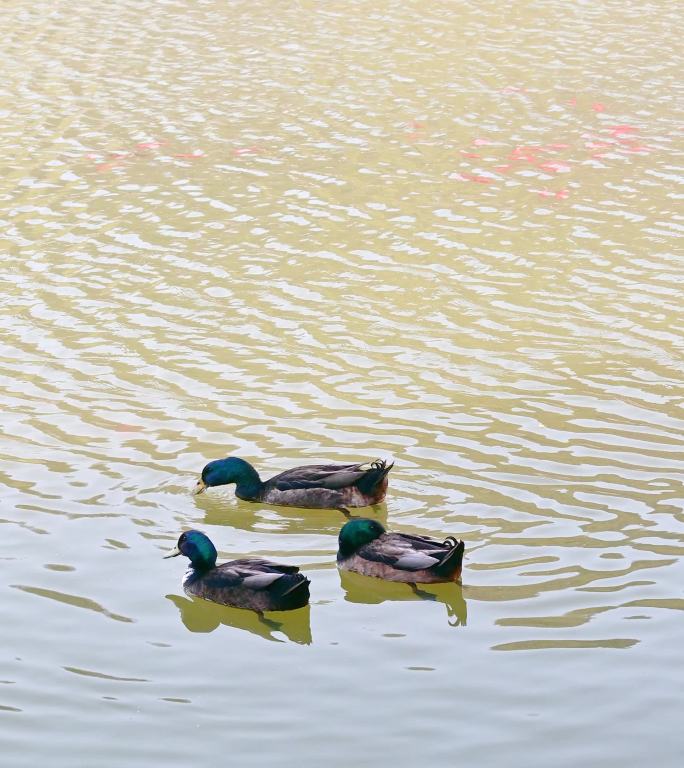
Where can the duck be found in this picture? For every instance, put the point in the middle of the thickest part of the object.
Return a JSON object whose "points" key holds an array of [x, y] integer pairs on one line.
{"points": [[316, 486], [252, 583], [366, 547]]}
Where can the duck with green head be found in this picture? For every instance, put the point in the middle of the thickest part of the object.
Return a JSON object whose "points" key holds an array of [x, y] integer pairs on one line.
{"points": [[252, 583], [316, 486], [366, 547]]}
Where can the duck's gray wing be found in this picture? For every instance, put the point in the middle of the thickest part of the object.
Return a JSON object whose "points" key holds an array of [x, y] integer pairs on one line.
{"points": [[331, 476], [254, 564], [253, 573], [399, 551]]}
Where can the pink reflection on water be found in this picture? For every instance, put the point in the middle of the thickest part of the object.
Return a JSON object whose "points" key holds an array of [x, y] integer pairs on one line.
{"points": [[556, 167], [254, 149], [572, 153], [561, 194], [477, 178], [138, 151], [619, 130]]}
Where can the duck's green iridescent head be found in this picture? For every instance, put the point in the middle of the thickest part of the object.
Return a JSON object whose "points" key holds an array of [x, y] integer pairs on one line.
{"points": [[226, 471], [197, 547], [356, 533]]}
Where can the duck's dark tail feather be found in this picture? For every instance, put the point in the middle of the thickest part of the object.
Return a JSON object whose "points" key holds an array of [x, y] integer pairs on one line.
{"points": [[301, 583], [294, 593], [374, 476], [452, 562]]}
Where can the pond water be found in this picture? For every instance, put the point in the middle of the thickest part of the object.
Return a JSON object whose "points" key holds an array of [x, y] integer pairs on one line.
{"points": [[295, 232]]}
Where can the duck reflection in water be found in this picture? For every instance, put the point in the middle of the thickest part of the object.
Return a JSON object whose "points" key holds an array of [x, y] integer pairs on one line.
{"points": [[362, 589], [246, 516], [201, 616]]}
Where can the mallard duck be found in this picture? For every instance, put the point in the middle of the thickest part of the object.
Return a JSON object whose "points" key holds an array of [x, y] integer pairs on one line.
{"points": [[252, 583], [318, 486], [366, 547]]}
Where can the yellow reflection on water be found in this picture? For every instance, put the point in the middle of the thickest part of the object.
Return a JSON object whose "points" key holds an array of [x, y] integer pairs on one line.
{"points": [[201, 616], [298, 233], [363, 589]]}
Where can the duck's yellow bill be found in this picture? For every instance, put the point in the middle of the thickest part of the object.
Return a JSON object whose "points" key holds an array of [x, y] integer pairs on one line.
{"points": [[173, 553], [199, 488]]}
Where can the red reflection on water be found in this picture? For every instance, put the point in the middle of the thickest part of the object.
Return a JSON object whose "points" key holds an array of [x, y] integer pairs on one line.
{"points": [[524, 153], [572, 155], [555, 166], [617, 130], [414, 130], [471, 177], [561, 194]]}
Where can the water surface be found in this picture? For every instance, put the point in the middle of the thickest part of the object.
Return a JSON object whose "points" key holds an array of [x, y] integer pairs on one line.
{"points": [[300, 232]]}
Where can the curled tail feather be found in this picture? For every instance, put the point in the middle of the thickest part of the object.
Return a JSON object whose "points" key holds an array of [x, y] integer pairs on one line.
{"points": [[375, 476], [452, 563]]}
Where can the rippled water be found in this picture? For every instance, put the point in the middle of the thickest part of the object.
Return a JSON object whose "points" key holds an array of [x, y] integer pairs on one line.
{"points": [[446, 232]]}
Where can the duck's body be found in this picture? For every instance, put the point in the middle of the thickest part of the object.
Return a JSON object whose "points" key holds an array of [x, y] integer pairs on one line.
{"points": [[316, 486], [252, 583], [366, 547]]}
